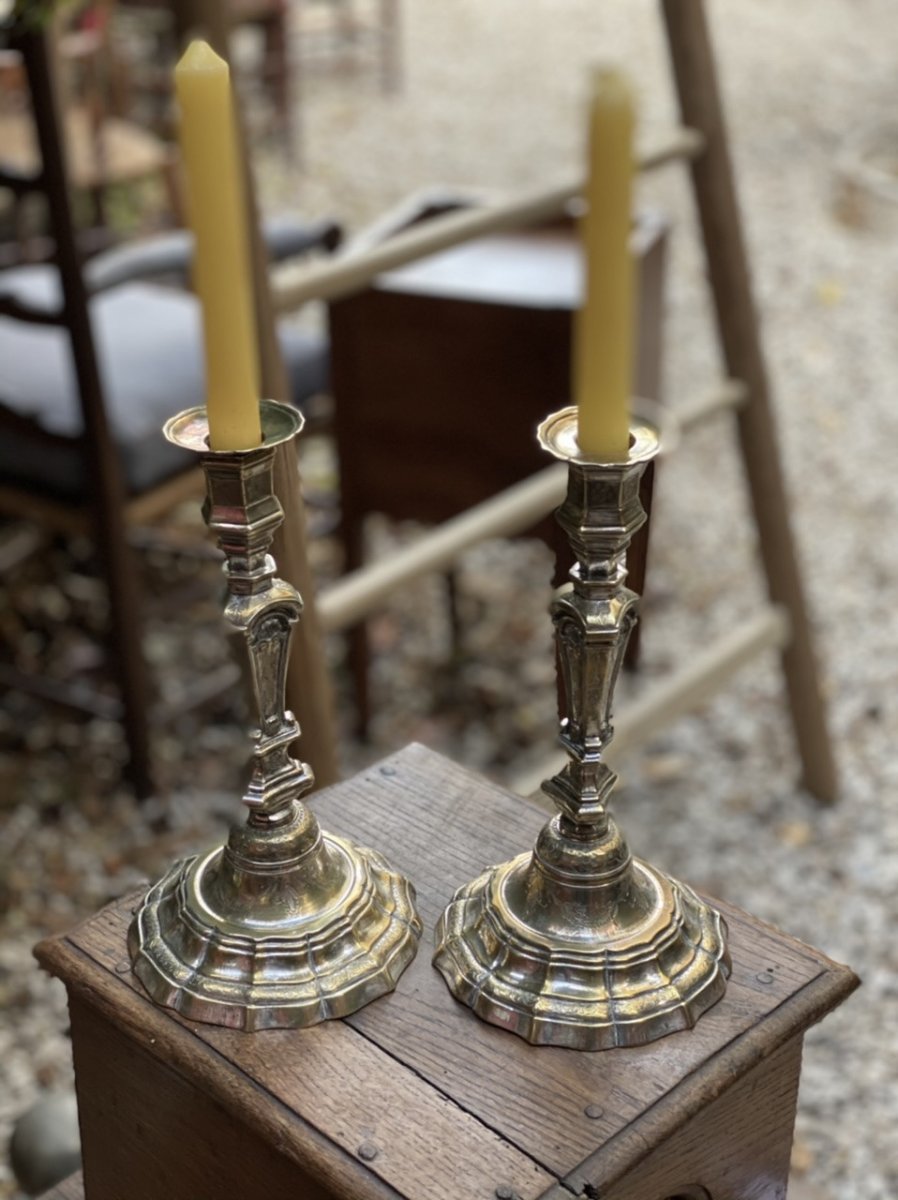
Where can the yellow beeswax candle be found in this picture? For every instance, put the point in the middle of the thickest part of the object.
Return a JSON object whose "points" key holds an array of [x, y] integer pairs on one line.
{"points": [[603, 352], [221, 271]]}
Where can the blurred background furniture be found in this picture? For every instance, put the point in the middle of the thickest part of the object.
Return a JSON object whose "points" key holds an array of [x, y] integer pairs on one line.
{"points": [[171, 23], [297, 40], [341, 34], [92, 363], [454, 360], [105, 152]]}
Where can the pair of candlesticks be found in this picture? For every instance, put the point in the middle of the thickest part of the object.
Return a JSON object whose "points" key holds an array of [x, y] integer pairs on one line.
{"points": [[574, 944]]}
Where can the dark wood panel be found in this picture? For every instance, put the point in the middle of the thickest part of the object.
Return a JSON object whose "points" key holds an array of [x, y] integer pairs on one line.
{"points": [[148, 1132]]}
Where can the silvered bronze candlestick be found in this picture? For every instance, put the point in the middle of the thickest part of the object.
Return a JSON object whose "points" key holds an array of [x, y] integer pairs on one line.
{"points": [[579, 944], [284, 925]]}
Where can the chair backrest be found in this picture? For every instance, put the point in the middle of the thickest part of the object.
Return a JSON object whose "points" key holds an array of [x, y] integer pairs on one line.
{"points": [[104, 489], [51, 182]]}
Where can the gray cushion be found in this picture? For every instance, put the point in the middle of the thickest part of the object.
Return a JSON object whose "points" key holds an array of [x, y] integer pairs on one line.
{"points": [[170, 254], [148, 342]]}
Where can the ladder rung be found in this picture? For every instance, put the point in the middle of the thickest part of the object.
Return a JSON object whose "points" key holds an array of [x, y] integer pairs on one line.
{"points": [[349, 272], [703, 676], [683, 144], [200, 692], [683, 690], [729, 396], [510, 512], [504, 515], [68, 694]]}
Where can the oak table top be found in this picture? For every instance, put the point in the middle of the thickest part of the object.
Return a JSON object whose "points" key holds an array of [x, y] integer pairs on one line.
{"points": [[414, 1090]]}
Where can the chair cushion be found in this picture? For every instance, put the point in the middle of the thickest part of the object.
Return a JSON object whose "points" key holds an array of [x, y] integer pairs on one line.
{"points": [[307, 362], [149, 351]]}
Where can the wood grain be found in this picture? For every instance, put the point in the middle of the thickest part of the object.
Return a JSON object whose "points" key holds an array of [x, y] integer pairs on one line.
{"points": [[737, 1148], [148, 1132], [537, 1096], [348, 1093], [417, 1075]]}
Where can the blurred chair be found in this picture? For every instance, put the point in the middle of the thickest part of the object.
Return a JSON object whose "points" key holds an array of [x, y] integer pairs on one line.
{"points": [[270, 17], [91, 364], [103, 150], [333, 30], [454, 360]]}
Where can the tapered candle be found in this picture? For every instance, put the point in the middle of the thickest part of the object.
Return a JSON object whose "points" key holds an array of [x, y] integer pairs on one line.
{"points": [[221, 270], [603, 354]]}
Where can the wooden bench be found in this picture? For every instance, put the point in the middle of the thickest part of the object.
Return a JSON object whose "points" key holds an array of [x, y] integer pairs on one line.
{"points": [[414, 1096]]}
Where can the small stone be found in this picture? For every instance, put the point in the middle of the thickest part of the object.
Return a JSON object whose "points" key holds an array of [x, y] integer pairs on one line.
{"points": [[665, 768], [795, 833], [802, 1157], [45, 1146]]}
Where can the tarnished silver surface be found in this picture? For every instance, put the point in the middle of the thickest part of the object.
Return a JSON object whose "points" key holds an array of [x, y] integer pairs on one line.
{"points": [[284, 925], [579, 944]]}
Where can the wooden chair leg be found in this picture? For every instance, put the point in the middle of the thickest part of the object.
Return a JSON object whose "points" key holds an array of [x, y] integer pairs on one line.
{"points": [[637, 561], [277, 66], [358, 655], [127, 646], [455, 623], [737, 325], [101, 457], [390, 47]]}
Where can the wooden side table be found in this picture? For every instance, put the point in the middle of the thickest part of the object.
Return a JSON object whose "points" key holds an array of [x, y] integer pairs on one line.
{"points": [[414, 1096], [455, 359]]}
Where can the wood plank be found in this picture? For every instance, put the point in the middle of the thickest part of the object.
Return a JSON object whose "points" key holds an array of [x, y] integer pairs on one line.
{"points": [[293, 1088], [536, 1096], [442, 824], [736, 1148], [149, 1132]]}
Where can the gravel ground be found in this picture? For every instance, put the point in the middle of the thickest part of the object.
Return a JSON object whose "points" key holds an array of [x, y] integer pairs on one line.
{"points": [[491, 98]]}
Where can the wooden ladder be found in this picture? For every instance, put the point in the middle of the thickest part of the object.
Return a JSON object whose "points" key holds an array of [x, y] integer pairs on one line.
{"points": [[737, 327], [702, 144]]}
